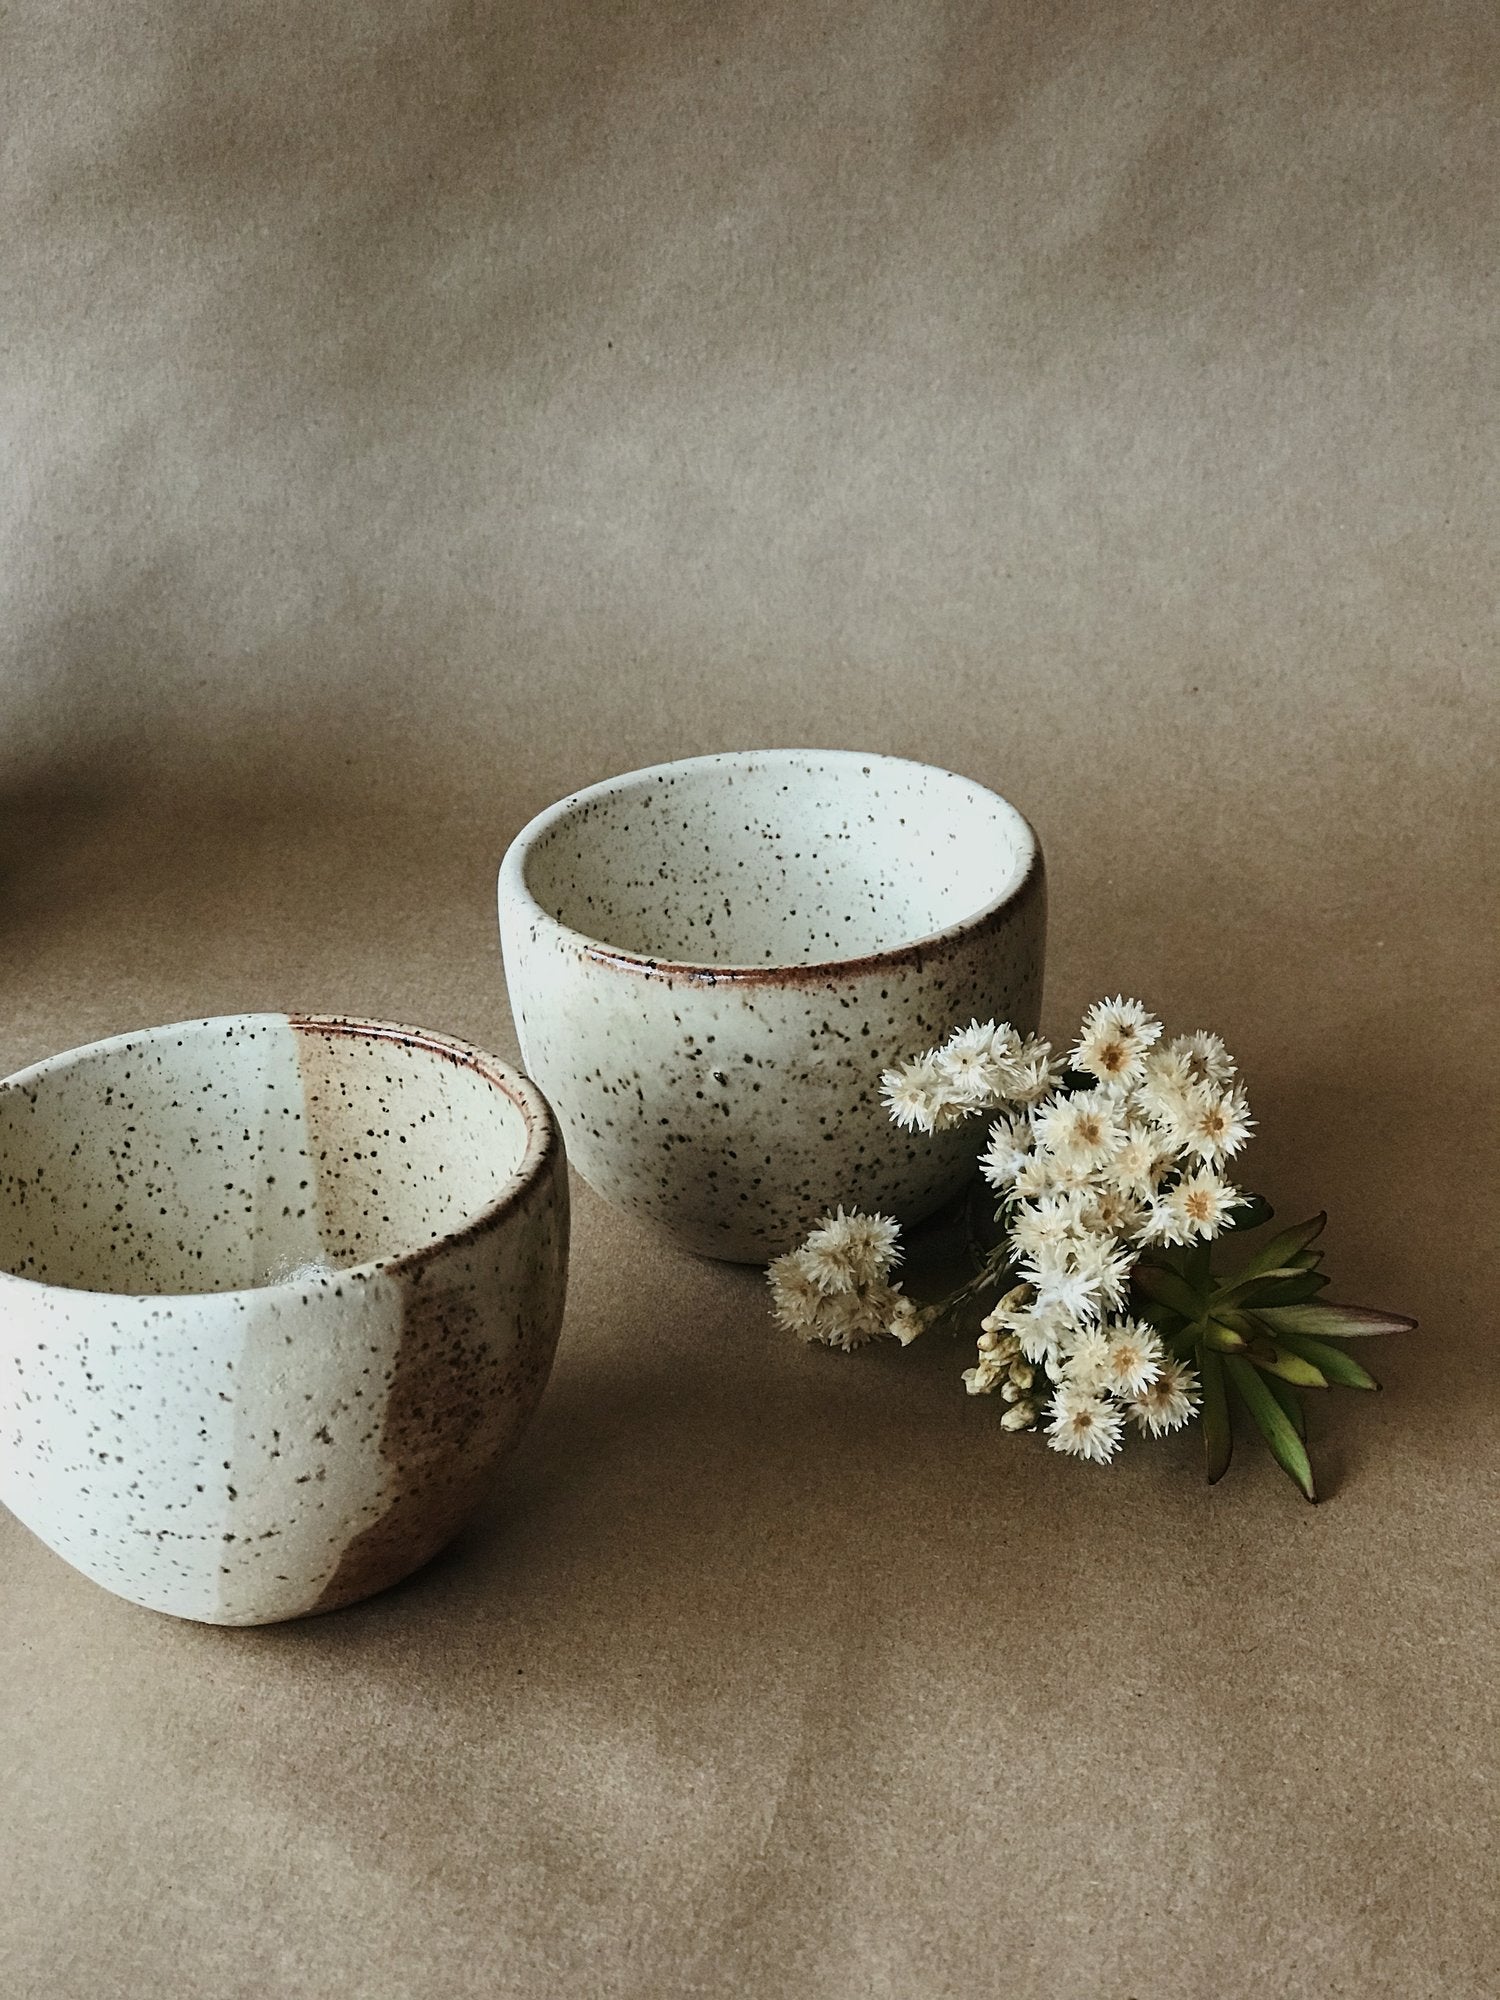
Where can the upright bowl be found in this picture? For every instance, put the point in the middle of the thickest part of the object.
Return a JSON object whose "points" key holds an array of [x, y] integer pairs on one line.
{"points": [[710, 962], [277, 1295]]}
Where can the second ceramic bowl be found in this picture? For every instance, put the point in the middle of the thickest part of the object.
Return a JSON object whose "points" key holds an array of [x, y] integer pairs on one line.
{"points": [[710, 962]]}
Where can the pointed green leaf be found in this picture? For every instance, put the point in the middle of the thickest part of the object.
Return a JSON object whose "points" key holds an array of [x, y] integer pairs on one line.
{"points": [[1167, 1288], [1335, 1364], [1275, 1426], [1223, 1338], [1291, 1402], [1233, 1287], [1320, 1319], [1218, 1439], [1166, 1322], [1291, 1367], [1253, 1212], [1305, 1260], [1290, 1291], [1283, 1246]]}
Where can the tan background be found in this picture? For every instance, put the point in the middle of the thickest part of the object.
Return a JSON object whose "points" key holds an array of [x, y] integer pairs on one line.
{"points": [[414, 411]]}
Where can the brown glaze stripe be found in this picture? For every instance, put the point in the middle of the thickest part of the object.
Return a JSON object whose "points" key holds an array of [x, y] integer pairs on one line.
{"points": [[542, 1137]]}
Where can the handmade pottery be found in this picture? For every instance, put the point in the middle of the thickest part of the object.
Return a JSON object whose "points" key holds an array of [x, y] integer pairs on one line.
{"points": [[277, 1294], [710, 962]]}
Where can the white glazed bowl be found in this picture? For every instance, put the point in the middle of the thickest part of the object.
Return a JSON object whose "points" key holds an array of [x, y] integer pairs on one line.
{"points": [[710, 962], [276, 1296]]}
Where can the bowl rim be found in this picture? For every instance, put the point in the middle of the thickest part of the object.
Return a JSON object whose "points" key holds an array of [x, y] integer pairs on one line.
{"points": [[1023, 880], [543, 1146]]}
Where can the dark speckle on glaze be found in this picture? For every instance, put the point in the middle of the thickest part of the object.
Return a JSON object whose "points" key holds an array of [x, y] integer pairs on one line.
{"points": [[711, 962]]}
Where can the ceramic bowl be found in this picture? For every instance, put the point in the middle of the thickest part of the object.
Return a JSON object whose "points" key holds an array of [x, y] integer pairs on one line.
{"points": [[710, 962], [277, 1294]]}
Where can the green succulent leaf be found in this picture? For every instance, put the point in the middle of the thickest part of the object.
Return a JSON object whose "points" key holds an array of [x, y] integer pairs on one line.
{"points": [[1166, 1322], [1334, 1363], [1225, 1339], [1283, 1291], [1273, 1422], [1290, 1402], [1293, 1368], [1282, 1247], [1322, 1320], [1253, 1212], [1167, 1288], [1218, 1438]]}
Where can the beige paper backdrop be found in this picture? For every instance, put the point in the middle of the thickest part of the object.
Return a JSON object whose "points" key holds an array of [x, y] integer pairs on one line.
{"points": [[413, 411]]}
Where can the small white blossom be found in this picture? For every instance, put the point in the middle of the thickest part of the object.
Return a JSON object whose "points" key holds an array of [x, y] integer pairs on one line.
{"points": [[1162, 1091], [1138, 1162], [847, 1251], [1114, 1039], [1134, 1359], [1032, 1071], [1168, 1403], [1082, 1130], [1051, 1219], [1213, 1124], [977, 1063], [1207, 1059], [983, 1376], [1019, 1417], [1008, 1150], [1085, 1425], [1199, 1206], [917, 1095], [1087, 1364], [1108, 1212], [796, 1296], [850, 1319], [906, 1321]]}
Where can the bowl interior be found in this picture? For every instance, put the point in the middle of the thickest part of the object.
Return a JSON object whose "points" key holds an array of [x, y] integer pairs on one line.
{"points": [[782, 857], [221, 1155]]}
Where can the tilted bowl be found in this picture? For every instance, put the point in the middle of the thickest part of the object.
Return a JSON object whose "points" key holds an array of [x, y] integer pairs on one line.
{"points": [[277, 1294]]}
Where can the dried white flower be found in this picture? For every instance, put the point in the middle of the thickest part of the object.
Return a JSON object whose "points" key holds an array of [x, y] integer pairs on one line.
{"points": [[1087, 1363], [1198, 1207], [1162, 1090], [1207, 1059], [906, 1321], [1138, 1162], [1168, 1403], [1032, 1071], [1213, 1124], [1040, 1225], [849, 1319], [976, 1061], [1019, 1417], [1114, 1039], [846, 1251], [1083, 1424], [1082, 1130], [1134, 1358], [920, 1096], [1008, 1150], [796, 1296]]}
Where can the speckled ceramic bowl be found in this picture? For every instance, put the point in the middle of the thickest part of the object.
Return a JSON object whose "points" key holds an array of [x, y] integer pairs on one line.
{"points": [[276, 1296], [710, 962]]}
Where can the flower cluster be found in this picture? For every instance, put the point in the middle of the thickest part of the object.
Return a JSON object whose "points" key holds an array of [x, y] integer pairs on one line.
{"points": [[837, 1288], [1109, 1167], [1117, 1147]]}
